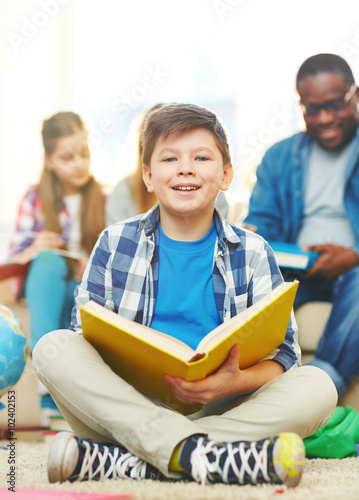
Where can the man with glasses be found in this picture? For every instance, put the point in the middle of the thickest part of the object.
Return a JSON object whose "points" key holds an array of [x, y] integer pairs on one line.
{"points": [[307, 192]]}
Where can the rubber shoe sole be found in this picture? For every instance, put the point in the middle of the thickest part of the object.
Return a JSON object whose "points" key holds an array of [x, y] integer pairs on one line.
{"points": [[63, 457], [288, 458]]}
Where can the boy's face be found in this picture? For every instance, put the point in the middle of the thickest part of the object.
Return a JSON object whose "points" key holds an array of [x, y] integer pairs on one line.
{"points": [[186, 173]]}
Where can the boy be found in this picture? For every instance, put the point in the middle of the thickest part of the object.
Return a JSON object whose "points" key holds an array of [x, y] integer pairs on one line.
{"points": [[182, 268]]}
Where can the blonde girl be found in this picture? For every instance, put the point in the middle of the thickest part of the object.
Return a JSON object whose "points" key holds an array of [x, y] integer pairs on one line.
{"points": [[64, 211]]}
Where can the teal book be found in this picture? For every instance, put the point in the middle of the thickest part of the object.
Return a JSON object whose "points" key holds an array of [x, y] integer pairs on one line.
{"points": [[291, 255]]}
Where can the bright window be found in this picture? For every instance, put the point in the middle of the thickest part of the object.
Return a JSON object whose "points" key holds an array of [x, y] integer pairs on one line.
{"points": [[108, 60]]}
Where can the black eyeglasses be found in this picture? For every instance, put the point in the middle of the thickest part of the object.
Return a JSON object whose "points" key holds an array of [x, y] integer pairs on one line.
{"points": [[332, 106]]}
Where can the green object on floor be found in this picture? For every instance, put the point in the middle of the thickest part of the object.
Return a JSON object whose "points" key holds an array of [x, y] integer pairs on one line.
{"points": [[337, 438]]}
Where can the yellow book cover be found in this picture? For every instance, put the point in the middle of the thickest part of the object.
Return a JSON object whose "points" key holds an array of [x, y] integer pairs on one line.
{"points": [[143, 356]]}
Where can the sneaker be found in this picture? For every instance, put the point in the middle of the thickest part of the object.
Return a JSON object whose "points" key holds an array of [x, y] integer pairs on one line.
{"points": [[79, 459], [277, 460]]}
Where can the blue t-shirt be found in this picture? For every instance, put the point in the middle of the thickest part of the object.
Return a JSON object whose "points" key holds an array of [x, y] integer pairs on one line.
{"points": [[185, 304]]}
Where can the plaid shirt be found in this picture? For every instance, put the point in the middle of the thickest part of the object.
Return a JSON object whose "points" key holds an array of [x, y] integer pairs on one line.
{"points": [[30, 221], [122, 275]]}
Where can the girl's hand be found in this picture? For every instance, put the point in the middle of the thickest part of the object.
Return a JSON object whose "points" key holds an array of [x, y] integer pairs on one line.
{"points": [[78, 268], [45, 240]]}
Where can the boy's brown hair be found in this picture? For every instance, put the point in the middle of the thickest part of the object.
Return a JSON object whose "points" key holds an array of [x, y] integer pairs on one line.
{"points": [[178, 117]]}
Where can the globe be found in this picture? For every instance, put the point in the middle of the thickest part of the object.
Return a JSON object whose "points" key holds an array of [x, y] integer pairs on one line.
{"points": [[13, 349]]}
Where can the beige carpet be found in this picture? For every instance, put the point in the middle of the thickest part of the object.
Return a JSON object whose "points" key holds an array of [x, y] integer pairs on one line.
{"points": [[322, 479]]}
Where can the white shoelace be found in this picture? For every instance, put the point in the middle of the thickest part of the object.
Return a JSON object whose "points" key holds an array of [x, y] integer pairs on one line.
{"points": [[117, 467], [202, 467], [135, 464], [89, 458]]}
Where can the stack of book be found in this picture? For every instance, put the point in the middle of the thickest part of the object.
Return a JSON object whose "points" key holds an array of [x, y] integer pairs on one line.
{"points": [[58, 423]]}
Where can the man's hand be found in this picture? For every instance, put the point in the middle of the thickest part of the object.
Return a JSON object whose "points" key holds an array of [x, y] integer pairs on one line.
{"points": [[333, 261]]}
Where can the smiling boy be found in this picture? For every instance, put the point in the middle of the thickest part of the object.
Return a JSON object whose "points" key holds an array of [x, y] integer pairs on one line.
{"points": [[182, 269], [187, 171]]}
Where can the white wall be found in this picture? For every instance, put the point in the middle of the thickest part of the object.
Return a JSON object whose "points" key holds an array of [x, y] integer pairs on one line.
{"points": [[245, 52], [35, 80], [107, 60]]}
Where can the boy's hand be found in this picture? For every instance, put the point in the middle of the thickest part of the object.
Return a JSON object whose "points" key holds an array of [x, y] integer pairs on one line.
{"points": [[224, 382], [228, 380]]}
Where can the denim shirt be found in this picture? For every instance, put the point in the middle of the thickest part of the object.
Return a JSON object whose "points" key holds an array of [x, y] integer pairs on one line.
{"points": [[122, 275], [277, 201]]}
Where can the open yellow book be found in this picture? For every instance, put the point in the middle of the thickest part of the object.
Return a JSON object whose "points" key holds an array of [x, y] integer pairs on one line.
{"points": [[143, 356]]}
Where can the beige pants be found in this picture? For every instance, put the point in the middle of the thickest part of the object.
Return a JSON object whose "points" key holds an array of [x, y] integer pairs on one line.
{"points": [[100, 405]]}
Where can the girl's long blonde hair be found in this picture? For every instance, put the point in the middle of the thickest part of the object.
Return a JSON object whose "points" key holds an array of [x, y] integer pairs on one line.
{"points": [[143, 199], [92, 213]]}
